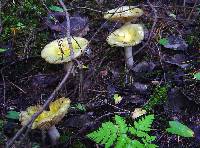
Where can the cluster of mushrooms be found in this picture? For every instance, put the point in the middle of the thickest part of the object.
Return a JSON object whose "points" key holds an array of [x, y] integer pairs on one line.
{"points": [[129, 34], [58, 52]]}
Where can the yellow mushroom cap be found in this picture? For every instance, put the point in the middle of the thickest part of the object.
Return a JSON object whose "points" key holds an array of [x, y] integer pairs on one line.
{"points": [[46, 119], [124, 13], [127, 35], [58, 50]]}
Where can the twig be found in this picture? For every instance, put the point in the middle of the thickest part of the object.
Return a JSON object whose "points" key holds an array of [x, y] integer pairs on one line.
{"points": [[17, 87], [195, 4], [116, 107], [76, 7], [152, 28], [161, 62], [43, 3], [52, 96], [4, 89], [68, 29], [0, 20]]}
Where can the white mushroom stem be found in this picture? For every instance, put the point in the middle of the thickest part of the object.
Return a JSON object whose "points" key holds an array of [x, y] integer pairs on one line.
{"points": [[66, 66], [129, 56], [53, 134]]}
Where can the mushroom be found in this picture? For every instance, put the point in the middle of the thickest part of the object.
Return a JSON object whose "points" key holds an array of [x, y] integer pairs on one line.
{"points": [[127, 36], [124, 14], [47, 119], [57, 51]]}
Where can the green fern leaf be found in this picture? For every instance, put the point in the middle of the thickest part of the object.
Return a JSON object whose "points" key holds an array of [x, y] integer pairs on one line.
{"points": [[132, 130], [150, 139], [141, 134], [111, 140], [151, 146], [111, 136], [122, 126], [135, 144], [144, 124], [107, 134], [122, 141], [117, 133], [109, 127]]}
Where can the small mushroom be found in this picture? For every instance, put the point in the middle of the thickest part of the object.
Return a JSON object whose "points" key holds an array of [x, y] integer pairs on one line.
{"points": [[57, 51], [127, 36], [47, 119], [124, 14]]}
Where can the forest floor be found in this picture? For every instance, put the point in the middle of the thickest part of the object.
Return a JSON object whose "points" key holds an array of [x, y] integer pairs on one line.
{"points": [[161, 81]]}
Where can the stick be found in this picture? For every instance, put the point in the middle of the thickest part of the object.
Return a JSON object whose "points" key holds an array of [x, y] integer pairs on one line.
{"points": [[195, 4], [68, 29], [152, 28]]}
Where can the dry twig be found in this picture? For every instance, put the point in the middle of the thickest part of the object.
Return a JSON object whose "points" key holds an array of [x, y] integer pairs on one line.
{"points": [[68, 29], [152, 28], [195, 4]]}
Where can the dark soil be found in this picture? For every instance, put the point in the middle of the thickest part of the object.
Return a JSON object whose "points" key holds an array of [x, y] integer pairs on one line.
{"points": [[26, 79]]}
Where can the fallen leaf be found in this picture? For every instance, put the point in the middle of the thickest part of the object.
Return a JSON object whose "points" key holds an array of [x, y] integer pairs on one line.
{"points": [[117, 98], [137, 113]]}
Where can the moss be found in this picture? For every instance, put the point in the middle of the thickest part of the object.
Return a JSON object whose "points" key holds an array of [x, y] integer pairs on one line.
{"points": [[193, 38], [155, 73], [2, 136], [159, 96], [21, 21], [20, 17]]}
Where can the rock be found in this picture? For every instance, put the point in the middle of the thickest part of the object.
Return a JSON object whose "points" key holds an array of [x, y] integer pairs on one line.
{"points": [[178, 59], [176, 43], [176, 101], [78, 121], [142, 88], [144, 67], [56, 21]]}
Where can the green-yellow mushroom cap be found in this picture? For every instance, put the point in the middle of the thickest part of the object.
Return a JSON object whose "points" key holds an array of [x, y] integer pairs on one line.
{"points": [[46, 119], [127, 35], [57, 51], [124, 13]]}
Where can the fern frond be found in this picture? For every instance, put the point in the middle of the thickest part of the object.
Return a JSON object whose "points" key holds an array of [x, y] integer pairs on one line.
{"points": [[150, 139], [121, 141], [144, 124], [117, 133], [151, 146], [141, 134], [121, 124], [135, 144], [132, 130], [107, 134]]}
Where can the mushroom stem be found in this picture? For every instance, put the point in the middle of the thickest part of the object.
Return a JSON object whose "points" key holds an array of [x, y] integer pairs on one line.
{"points": [[67, 66], [129, 56], [53, 134], [127, 23]]}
